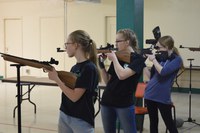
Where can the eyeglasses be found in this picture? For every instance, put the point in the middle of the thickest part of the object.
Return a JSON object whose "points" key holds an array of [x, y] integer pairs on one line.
{"points": [[67, 43], [117, 41]]}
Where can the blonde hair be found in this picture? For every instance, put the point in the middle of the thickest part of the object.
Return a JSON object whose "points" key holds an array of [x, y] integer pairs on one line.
{"points": [[87, 44], [128, 34]]}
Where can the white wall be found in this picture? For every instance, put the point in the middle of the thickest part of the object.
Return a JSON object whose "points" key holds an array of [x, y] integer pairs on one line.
{"points": [[31, 13], [90, 17], [86, 16], [178, 18]]}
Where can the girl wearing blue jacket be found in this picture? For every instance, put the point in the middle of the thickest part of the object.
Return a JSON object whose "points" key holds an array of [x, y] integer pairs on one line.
{"points": [[158, 91]]}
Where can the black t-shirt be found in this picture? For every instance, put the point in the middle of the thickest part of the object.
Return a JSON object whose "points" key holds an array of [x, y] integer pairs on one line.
{"points": [[119, 93], [87, 78]]}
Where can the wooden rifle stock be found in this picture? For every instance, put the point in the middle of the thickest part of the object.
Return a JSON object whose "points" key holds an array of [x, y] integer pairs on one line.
{"points": [[66, 77], [121, 55]]}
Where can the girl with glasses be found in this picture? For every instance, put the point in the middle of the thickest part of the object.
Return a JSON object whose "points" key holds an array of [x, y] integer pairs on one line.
{"points": [[77, 105], [121, 80]]}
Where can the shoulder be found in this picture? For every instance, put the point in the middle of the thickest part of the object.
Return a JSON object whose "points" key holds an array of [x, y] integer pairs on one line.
{"points": [[176, 57], [137, 62], [136, 56], [89, 65]]}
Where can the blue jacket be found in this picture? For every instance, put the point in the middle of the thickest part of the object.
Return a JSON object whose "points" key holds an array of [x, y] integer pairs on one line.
{"points": [[159, 87]]}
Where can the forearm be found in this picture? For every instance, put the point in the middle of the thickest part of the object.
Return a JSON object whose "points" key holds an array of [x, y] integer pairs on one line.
{"points": [[122, 73], [158, 67], [70, 93], [105, 75], [147, 72], [119, 70]]}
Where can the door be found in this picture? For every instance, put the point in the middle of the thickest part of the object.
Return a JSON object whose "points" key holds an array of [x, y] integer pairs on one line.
{"points": [[13, 43], [51, 37], [110, 33], [110, 29]]}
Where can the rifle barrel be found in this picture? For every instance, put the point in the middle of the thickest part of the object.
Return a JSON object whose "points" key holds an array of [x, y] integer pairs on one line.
{"points": [[66, 77], [191, 48], [26, 62]]}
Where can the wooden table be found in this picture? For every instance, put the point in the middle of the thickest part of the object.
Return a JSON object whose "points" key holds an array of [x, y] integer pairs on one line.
{"points": [[31, 79]]}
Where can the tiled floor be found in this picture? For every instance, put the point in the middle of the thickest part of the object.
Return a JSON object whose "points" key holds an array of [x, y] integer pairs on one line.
{"points": [[47, 99]]}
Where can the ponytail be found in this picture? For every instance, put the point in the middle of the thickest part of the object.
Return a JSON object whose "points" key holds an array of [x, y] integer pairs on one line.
{"points": [[93, 56], [175, 51]]}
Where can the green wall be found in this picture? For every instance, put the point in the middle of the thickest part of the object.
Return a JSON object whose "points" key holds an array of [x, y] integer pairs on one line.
{"points": [[130, 14]]}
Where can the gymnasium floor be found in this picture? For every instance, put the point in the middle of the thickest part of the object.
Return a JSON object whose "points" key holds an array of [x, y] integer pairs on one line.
{"points": [[47, 99]]}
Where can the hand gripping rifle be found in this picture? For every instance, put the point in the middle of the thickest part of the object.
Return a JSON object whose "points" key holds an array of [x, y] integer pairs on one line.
{"points": [[66, 77], [121, 55]]}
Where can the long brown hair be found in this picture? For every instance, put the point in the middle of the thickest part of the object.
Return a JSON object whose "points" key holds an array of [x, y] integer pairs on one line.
{"points": [[88, 46], [168, 41]]}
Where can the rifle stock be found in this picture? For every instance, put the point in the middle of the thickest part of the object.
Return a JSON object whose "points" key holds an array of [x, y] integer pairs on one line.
{"points": [[121, 55], [66, 77]]}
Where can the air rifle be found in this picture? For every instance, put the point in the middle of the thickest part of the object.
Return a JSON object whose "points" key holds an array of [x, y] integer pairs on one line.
{"points": [[190, 48], [121, 55], [66, 77]]}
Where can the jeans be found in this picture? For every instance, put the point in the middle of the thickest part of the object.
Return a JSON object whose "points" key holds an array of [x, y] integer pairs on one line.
{"points": [[166, 113], [126, 117], [68, 124]]}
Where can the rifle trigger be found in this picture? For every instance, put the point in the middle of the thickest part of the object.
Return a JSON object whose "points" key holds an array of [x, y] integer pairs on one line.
{"points": [[44, 70]]}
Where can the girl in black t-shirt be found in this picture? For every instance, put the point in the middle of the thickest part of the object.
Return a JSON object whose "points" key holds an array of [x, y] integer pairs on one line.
{"points": [[121, 80], [77, 109]]}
